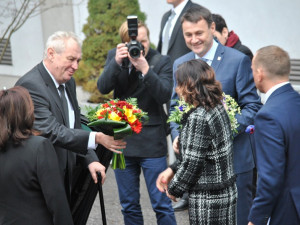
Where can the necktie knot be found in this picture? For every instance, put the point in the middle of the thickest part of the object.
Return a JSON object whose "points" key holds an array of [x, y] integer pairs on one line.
{"points": [[61, 89]]}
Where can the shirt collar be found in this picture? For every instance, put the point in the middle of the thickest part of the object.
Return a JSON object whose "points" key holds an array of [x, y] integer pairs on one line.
{"points": [[272, 89], [209, 56], [180, 7], [52, 77]]}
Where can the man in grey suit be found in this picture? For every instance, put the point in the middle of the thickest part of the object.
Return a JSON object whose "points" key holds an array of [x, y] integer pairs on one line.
{"points": [[56, 110], [233, 70], [174, 46]]}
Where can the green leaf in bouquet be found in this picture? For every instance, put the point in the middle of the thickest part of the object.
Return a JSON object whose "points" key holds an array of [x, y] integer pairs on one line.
{"points": [[122, 132], [145, 119], [106, 125], [132, 101]]}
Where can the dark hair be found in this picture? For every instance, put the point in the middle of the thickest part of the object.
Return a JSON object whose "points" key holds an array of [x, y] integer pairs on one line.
{"points": [[197, 13], [16, 116], [274, 60], [219, 21], [197, 84]]}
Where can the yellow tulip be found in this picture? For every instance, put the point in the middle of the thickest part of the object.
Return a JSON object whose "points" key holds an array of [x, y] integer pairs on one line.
{"points": [[114, 116], [128, 112]]}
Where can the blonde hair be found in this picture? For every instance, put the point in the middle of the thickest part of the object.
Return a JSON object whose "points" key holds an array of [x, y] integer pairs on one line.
{"points": [[123, 31]]}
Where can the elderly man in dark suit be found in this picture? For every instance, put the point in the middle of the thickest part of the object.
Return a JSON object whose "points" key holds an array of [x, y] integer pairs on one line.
{"points": [[233, 70], [149, 79], [277, 141], [56, 110]]}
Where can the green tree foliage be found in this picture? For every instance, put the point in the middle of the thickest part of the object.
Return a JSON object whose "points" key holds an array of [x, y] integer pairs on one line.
{"points": [[102, 34]]}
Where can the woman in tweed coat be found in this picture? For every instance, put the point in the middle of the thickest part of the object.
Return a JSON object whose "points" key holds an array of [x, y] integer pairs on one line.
{"points": [[205, 165]]}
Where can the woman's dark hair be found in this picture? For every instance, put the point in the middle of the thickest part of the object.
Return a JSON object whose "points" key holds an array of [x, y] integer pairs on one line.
{"points": [[16, 116], [197, 84]]}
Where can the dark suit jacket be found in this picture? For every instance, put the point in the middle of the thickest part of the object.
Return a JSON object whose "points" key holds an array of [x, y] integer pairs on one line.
{"points": [[233, 70], [177, 46], [49, 118], [243, 48], [277, 135], [151, 92], [31, 191]]}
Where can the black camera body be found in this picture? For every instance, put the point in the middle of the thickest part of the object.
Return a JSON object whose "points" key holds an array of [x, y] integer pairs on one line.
{"points": [[134, 47]]}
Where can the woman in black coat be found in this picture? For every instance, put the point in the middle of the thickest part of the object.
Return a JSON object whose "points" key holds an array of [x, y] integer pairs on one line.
{"points": [[31, 189]]}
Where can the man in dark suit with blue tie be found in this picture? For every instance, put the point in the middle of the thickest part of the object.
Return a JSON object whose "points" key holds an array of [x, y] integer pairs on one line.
{"points": [[233, 70], [277, 141]]}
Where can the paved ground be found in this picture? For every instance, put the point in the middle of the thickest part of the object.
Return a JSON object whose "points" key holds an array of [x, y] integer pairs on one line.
{"points": [[113, 208]]}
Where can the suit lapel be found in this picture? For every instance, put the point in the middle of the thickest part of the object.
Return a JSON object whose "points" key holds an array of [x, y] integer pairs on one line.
{"points": [[72, 97], [177, 24], [165, 19], [52, 90], [218, 57]]}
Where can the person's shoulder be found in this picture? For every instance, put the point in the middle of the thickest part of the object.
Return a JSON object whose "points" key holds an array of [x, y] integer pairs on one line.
{"points": [[37, 140], [31, 78], [234, 55], [28, 75], [184, 58], [198, 113], [112, 51], [244, 49], [155, 54], [193, 4]]}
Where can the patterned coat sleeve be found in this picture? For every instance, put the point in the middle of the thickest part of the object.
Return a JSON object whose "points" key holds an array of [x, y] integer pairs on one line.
{"points": [[196, 141]]}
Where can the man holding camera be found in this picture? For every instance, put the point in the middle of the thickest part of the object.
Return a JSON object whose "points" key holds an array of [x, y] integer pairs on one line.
{"points": [[135, 70]]}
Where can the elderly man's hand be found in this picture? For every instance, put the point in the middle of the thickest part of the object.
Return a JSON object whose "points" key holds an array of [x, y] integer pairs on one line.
{"points": [[110, 143], [95, 167]]}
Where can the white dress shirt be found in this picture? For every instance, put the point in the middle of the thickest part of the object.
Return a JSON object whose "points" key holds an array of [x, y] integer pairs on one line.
{"points": [[177, 11], [92, 137]]}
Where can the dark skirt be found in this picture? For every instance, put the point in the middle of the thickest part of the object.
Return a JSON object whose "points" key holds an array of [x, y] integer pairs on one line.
{"points": [[213, 207]]}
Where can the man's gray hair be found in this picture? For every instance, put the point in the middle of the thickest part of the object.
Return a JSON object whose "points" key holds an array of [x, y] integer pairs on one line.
{"points": [[57, 41]]}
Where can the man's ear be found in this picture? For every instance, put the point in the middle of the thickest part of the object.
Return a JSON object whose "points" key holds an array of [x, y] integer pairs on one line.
{"points": [[50, 53], [260, 74], [213, 27]]}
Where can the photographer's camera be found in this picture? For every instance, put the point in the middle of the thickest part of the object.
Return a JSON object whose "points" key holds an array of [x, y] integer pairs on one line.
{"points": [[134, 47]]}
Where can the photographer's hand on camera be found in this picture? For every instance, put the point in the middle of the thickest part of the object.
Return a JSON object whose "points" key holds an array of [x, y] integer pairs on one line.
{"points": [[140, 63], [121, 53]]}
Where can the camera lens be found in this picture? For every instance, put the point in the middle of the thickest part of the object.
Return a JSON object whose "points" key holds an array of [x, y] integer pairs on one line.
{"points": [[134, 51]]}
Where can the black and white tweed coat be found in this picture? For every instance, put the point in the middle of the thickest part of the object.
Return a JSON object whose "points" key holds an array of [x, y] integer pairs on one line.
{"points": [[206, 152]]}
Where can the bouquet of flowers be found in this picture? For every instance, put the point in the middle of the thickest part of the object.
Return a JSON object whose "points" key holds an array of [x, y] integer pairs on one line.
{"points": [[119, 119], [181, 108], [231, 106]]}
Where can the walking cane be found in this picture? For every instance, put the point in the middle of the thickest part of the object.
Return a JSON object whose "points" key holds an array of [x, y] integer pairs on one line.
{"points": [[101, 198]]}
